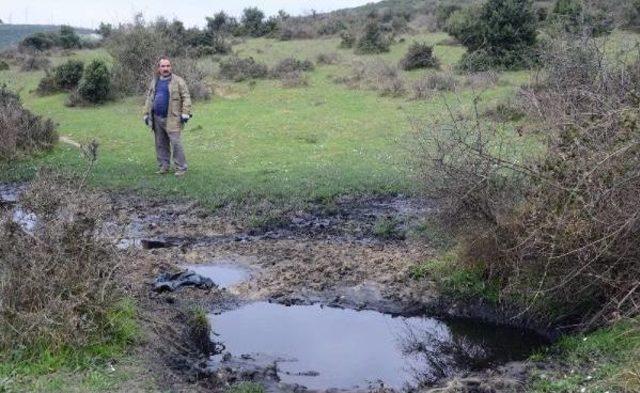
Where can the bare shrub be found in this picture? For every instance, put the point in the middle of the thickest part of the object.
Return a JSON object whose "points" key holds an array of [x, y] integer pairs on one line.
{"points": [[34, 62], [290, 65], [20, 130], [195, 76], [294, 78], [328, 58], [426, 87], [558, 231], [482, 80], [238, 69], [57, 279], [419, 55], [375, 75]]}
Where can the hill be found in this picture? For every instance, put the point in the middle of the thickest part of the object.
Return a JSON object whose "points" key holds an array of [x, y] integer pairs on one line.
{"points": [[12, 34]]}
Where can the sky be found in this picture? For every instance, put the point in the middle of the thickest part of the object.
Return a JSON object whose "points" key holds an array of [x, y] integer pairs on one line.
{"points": [[88, 13]]}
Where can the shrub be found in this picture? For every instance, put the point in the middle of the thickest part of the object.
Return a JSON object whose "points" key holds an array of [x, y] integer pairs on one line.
{"points": [[4, 66], [347, 39], [47, 85], [34, 62], [578, 18], [21, 131], [68, 75], [419, 55], [425, 87], [328, 58], [289, 65], [497, 34], [294, 78], [373, 40], [557, 229], [195, 77], [444, 11], [57, 279], [238, 69], [95, 85], [67, 38], [39, 41]]}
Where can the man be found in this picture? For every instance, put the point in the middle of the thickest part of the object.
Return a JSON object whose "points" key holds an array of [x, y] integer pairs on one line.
{"points": [[167, 109]]}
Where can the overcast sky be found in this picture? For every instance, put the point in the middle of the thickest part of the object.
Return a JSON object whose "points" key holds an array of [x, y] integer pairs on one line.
{"points": [[88, 13]]}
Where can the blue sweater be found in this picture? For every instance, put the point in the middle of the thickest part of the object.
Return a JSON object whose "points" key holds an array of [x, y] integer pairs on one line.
{"points": [[161, 99]]}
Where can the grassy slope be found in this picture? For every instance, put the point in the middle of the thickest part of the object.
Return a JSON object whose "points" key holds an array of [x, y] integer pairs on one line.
{"points": [[259, 141]]}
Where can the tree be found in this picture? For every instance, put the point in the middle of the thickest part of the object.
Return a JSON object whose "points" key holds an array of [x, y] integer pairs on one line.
{"points": [[497, 34], [252, 20], [105, 29], [95, 84], [68, 38]]}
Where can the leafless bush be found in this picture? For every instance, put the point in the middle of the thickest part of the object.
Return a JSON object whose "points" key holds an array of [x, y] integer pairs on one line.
{"points": [[559, 231], [294, 79], [375, 75], [20, 130], [34, 62], [426, 87], [482, 80], [328, 58], [57, 280], [195, 76]]}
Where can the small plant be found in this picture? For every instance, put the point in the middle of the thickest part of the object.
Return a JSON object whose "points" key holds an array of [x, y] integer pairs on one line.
{"points": [[327, 58], [419, 55], [4, 66], [238, 69], [388, 228], [95, 85], [294, 79], [34, 62], [47, 85]]}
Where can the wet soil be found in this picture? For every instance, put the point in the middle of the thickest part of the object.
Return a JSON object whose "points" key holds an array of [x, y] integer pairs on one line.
{"points": [[330, 256]]}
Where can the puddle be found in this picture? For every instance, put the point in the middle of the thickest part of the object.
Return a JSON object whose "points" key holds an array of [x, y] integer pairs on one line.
{"points": [[224, 276], [339, 348]]}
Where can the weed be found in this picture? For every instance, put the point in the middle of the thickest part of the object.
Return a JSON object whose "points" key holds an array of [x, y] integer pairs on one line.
{"points": [[246, 387], [328, 58], [388, 228]]}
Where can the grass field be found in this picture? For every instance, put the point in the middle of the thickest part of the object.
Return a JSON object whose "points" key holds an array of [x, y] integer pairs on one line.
{"points": [[258, 140]]}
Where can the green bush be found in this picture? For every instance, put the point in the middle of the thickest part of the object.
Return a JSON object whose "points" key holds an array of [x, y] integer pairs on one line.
{"points": [[95, 85], [68, 75], [3, 65], [444, 11], [373, 40], [502, 32], [290, 65], [67, 38], [577, 18], [47, 84], [420, 55], [238, 69]]}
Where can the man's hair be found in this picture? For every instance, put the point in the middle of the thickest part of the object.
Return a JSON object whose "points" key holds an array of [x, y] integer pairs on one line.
{"points": [[163, 57]]}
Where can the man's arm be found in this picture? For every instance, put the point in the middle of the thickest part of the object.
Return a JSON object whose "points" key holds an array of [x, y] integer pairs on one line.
{"points": [[185, 97], [148, 101]]}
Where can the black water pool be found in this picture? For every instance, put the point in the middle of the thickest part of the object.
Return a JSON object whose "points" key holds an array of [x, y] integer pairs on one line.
{"points": [[322, 347]]}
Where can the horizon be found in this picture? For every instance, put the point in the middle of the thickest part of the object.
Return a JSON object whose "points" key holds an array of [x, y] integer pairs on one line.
{"points": [[191, 12]]}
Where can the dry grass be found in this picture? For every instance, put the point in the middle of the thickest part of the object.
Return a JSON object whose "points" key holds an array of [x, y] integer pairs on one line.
{"points": [[58, 279]]}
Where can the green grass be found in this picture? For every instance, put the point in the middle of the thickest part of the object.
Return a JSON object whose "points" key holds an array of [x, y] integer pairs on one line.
{"points": [[77, 369], [246, 387], [605, 360], [259, 141], [456, 280]]}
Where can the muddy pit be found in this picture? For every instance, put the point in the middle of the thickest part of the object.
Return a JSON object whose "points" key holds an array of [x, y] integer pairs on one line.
{"points": [[318, 303]]}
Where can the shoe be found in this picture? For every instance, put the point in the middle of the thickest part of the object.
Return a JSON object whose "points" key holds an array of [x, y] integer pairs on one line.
{"points": [[180, 173], [162, 171]]}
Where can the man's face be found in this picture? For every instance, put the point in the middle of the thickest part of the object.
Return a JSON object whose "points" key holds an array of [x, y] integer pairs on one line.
{"points": [[164, 68]]}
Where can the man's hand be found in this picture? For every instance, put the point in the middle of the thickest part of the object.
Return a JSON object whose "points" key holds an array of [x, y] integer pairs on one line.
{"points": [[146, 120], [184, 118]]}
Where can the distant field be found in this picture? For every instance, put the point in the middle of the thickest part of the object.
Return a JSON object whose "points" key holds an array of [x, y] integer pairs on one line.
{"points": [[12, 34], [259, 141]]}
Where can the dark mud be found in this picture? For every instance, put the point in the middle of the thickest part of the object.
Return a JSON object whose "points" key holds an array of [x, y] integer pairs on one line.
{"points": [[334, 256]]}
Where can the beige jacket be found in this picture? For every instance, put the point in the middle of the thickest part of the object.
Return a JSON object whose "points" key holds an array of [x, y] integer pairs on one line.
{"points": [[179, 102]]}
